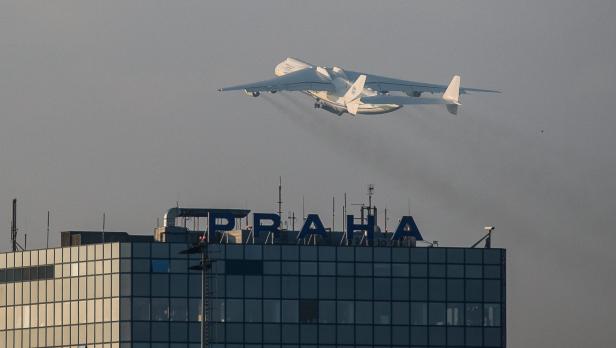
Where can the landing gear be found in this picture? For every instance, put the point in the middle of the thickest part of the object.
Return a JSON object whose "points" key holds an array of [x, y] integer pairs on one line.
{"points": [[317, 105]]}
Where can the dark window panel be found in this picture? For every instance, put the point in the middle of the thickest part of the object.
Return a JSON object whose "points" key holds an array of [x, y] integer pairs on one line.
{"points": [[253, 286], [419, 335], [363, 288], [492, 337], [290, 287], [363, 335], [455, 271], [419, 270], [308, 253], [473, 290], [308, 311], [271, 252], [363, 254], [473, 256], [308, 287], [327, 253], [455, 255], [492, 256], [437, 271], [437, 290], [271, 287], [437, 335], [419, 255], [492, 290], [363, 312], [437, 255], [160, 266], [492, 272], [419, 289], [382, 254], [474, 314], [253, 333], [382, 288], [455, 336], [253, 252]]}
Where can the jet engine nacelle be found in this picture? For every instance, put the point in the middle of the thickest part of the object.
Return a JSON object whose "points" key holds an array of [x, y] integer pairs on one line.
{"points": [[253, 94], [330, 108], [415, 94]]}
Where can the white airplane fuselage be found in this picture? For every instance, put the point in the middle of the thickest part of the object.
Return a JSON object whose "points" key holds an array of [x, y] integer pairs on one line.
{"points": [[333, 101]]}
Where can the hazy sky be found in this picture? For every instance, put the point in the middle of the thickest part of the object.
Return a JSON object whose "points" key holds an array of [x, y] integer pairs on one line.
{"points": [[111, 106]]}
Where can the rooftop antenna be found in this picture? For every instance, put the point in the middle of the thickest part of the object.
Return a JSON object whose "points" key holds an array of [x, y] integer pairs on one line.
{"points": [[292, 218], [14, 245], [386, 218], [303, 208], [280, 197], [370, 194], [487, 237], [103, 234], [333, 212], [14, 226], [48, 216]]}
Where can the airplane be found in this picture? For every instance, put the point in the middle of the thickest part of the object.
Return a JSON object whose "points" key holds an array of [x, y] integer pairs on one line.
{"points": [[338, 91]]}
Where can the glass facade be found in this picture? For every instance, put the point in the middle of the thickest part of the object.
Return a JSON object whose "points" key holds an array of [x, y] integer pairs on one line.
{"points": [[276, 296], [356, 296]]}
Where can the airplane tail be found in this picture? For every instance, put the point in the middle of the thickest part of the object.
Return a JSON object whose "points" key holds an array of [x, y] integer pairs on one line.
{"points": [[452, 95], [351, 97]]}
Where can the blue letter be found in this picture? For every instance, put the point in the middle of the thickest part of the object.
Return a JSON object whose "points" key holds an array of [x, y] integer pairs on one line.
{"points": [[352, 227], [214, 227], [318, 227], [258, 227], [407, 228]]}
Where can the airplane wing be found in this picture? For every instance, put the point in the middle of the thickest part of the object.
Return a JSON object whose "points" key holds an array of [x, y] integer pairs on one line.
{"points": [[387, 84], [302, 80]]}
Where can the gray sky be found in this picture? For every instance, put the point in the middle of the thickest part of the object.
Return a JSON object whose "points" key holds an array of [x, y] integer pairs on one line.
{"points": [[112, 107]]}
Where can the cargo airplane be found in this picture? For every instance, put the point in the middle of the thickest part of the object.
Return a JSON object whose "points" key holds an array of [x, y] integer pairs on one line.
{"points": [[339, 91]]}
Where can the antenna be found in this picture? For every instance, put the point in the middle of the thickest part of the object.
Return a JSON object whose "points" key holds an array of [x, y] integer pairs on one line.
{"points": [[370, 194], [344, 213], [409, 205], [333, 212], [14, 245], [14, 226], [48, 215], [103, 235], [386, 218], [280, 197], [292, 218], [487, 237]]}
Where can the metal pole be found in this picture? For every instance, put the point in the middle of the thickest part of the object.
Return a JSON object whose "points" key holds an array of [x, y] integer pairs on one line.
{"points": [[14, 226], [48, 229], [203, 294]]}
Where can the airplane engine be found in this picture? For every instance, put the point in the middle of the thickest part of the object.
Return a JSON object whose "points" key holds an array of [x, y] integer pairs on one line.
{"points": [[252, 94], [330, 108], [415, 94]]}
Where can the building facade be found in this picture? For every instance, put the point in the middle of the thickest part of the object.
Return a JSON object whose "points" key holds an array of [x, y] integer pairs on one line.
{"points": [[142, 294]]}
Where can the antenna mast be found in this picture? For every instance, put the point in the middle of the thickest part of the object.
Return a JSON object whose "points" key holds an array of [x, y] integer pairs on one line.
{"points": [[14, 226], [280, 197], [48, 216]]}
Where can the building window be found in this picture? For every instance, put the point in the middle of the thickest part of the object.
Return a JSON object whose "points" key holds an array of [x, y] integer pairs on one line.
{"points": [[160, 266], [289, 311], [345, 312], [308, 311]]}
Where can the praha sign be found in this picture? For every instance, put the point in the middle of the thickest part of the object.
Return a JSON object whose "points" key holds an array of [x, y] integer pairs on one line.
{"points": [[270, 223]]}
